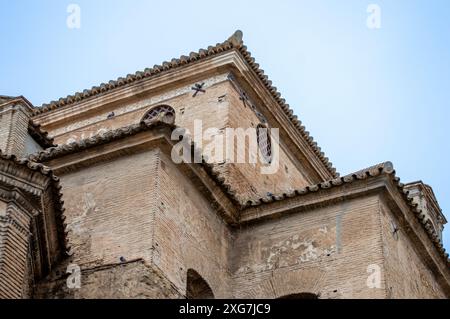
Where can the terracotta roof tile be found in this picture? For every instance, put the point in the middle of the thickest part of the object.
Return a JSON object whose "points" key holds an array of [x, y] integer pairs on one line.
{"points": [[40, 136], [373, 171], [123, 132], [386, 168], [234, 42]]}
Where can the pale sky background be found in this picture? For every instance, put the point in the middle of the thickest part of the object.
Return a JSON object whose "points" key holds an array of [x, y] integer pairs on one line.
{"points": [[366, 95]]}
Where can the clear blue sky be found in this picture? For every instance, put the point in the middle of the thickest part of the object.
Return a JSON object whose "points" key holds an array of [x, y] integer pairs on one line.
{"points": [[366, 95]]}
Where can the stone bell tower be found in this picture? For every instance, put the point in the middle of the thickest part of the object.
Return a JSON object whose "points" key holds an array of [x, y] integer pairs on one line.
{"points": [[18, 135]]}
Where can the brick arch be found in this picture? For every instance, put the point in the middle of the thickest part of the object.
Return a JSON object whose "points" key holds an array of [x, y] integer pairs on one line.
{"points": [[165, 111], [298, 281], [302, 295], [197, 287]]}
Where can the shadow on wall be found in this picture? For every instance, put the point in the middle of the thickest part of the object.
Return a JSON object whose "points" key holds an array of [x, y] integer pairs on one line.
{"points": [[303, 295], [197, 287]]}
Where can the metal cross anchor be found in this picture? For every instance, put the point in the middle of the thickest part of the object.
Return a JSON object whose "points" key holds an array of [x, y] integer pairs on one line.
{"points": [[198, 88], [243, 97]]}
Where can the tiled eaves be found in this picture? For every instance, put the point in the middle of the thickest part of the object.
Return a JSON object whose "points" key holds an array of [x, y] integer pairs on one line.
{"points": [[96, 140], [386, 168], [234, 42], [4, 100], [39, 135], [132, 78], [130, 130], [373, 171], [287, 110], [56, 191], [362, 174], [429, 192]]}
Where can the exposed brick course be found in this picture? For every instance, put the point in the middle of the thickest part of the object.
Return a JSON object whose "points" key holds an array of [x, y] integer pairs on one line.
{"points": [[139, 225]]}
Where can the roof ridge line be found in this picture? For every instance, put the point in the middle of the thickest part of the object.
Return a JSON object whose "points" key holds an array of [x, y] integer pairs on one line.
{"points": [[372, 171], [375, 170], [233, 42], [123, 132], [98, 139]]}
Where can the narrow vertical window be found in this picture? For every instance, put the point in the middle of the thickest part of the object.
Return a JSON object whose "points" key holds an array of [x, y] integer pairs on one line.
{"points": [[264, 142]]}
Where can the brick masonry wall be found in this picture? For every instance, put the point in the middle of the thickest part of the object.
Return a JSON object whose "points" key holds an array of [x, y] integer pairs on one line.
{"points": [[140, 206], [14, 130], [407, 276], [14, 241], [205, 107], [132, 280], [19, 133], [5, 127], [143, 207], [304, 252], [109, 209], [247, 177], [189, 234], [220, 108]]}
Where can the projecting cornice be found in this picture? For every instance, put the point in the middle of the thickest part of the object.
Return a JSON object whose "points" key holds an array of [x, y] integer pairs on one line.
{"points": [[267, 207], [376, 178], [28, 178], [39, 135], [231, 54], [138, 137], [12, 101]]}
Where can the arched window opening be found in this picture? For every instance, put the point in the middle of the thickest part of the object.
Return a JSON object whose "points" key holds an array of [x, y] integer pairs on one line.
{"points": [[264, 142], [303, 295], [197, 287], [166, 112]]}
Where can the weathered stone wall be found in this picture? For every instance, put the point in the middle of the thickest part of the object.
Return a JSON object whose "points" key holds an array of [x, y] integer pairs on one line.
{"points": [[5, 127], [14, 247], [131, 280], [138, 223], [13, 130], [407, 276], [325, 251], [204, 106], [189, 234], [329, 250], [288, 173], [109, 209], [142, 207], [219, 107]]}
